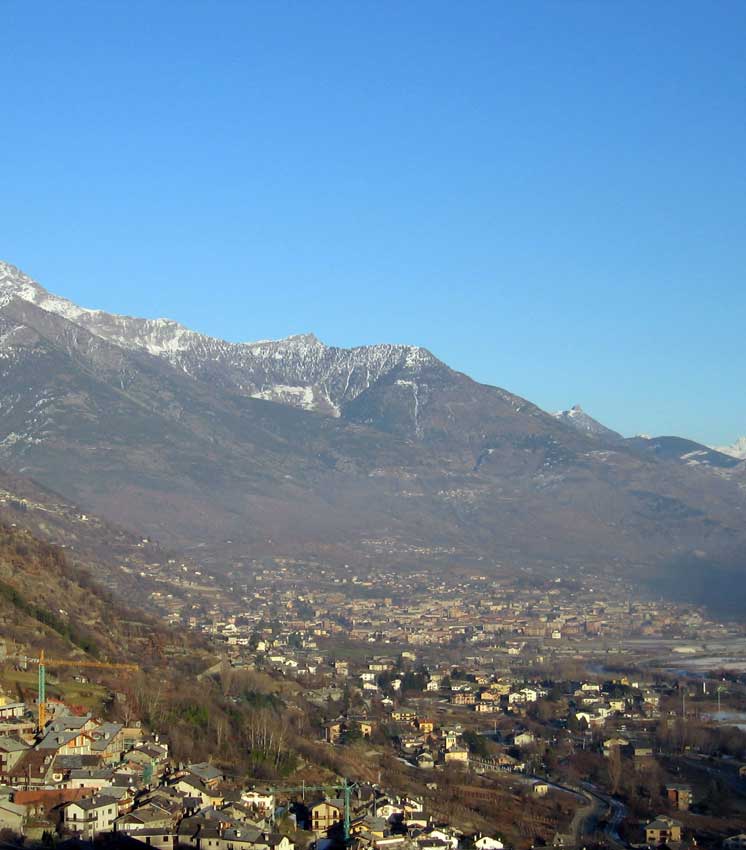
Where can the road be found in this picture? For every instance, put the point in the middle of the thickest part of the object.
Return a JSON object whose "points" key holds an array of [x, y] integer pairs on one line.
{"points": [[613, 811], [585, 818], [598, 807]]}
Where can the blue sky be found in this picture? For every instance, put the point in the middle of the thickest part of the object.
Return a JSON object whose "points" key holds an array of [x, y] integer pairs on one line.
{"points": [[551, 196]]}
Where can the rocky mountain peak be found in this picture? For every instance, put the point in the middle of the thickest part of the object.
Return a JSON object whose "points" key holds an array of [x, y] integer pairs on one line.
{"points": [[306, 339], [579, 419], [15, 284], [299, 370], [292, 341]]}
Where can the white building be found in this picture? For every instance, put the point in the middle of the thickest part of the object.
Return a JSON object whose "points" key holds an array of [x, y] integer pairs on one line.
{"points": [[484, 842], [91, 816]]}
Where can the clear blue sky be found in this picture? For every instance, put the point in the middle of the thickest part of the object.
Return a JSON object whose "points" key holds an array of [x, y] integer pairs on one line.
{"points": [[551, 196]]}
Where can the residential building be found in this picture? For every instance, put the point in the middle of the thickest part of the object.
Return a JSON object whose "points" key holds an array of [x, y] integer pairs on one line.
{"points": [[663, 830]]}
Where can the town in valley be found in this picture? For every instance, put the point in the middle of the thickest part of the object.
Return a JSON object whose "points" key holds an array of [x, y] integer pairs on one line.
{"points": [[408, 709]]}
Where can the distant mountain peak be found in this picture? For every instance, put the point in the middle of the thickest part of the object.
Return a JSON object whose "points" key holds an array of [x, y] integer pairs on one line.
{"points": [[737, 449], [294, 340], [15, 284], [579, 419], [307, 338]]}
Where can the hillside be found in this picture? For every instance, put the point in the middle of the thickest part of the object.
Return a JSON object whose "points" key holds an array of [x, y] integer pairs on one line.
{"points": [[123, 563], [46, 603]]}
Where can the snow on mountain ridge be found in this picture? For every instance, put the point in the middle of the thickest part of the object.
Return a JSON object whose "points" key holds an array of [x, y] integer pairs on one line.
{"points": [[737, 449], [121, 330], [15, 284], [303, 371], [299, 370], [578, 418]]}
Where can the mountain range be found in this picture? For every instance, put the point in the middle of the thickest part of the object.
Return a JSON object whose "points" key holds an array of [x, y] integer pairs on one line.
{"points": [[372, 454]]}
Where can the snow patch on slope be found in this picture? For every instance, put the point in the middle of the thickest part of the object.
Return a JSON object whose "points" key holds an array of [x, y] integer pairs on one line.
{"points": [[297, 396]]}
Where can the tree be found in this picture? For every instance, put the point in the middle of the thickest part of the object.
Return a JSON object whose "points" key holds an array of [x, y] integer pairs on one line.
{"points": [[717, 800], [476, 743], [614, 764], [226, 676], [352, 734]]}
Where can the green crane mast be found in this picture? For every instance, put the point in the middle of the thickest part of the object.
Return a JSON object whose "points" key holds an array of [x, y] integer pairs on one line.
{"points": [[345, 788]]}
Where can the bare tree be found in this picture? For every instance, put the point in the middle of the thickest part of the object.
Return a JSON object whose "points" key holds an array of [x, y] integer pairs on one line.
{"points": [[614, 764]]}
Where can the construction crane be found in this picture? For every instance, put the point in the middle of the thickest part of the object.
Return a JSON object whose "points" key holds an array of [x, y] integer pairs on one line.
{"points": [[345, 787], [44, 662], [721, 689]]}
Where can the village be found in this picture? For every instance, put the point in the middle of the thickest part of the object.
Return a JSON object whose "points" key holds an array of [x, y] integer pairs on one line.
{"points": [[605, 710], [81, 777], [416, 712], [617, 761], [476, 606]]}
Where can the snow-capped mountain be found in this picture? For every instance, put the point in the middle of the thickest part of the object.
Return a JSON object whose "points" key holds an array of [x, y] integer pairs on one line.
{"points": [[377, 452], [389, 386], [579, 419], [737, 449], [300, 371]]}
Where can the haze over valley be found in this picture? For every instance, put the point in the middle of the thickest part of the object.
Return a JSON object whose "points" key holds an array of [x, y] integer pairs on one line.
{"points": [[291, 446]]}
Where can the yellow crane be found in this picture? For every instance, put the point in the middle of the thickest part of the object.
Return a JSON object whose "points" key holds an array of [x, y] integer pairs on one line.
{"points": [[44, 662]]}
